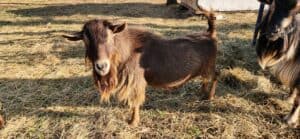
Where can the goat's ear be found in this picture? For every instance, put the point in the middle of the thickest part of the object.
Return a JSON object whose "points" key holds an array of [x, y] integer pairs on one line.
{"points": [[266, 1], [117, 28], [74, 37]]}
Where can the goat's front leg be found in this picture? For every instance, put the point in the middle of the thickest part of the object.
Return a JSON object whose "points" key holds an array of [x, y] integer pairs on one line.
{"points": [[135, 117], [138, 98], [213, 86], [213, 90], [292, 118]]}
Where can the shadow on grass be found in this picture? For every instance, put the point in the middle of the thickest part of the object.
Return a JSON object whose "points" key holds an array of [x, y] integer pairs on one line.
{"points": [[117, 9], [28, 96], [44, 21], [27, 58], [32, 93], [32, 33]]}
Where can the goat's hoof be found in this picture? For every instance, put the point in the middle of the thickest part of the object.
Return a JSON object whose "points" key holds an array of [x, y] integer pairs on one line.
{"points": [[292, 122], [133, 123]]}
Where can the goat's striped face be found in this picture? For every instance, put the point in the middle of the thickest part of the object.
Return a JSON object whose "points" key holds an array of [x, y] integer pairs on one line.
{"points": [[99, 45], [98, 37], [279, 17]]}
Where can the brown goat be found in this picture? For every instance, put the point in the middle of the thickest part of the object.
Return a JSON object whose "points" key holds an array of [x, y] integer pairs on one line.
{"points": [[125, 60]]}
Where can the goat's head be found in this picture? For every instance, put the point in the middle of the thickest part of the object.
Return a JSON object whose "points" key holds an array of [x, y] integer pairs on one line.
{"points": [[98, 37], [270, 54], [101, 50], [280, 16]]}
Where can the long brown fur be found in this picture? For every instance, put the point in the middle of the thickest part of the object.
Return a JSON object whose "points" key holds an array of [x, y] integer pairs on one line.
{"points": [[108, 83]]}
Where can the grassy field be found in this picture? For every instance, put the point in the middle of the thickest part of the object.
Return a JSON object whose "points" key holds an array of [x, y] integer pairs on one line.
{"points": [[47, 92]]}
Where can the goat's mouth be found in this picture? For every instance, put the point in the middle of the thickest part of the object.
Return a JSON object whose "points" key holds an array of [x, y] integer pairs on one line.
{"points": [[268, 62], [262, 65], [102, 73]]}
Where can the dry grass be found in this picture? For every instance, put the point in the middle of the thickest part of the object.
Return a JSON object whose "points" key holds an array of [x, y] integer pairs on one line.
{"points": [[46, 91]]}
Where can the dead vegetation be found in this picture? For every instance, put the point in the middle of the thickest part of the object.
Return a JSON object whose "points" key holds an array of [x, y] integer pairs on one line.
{"points": [[47, 92]]}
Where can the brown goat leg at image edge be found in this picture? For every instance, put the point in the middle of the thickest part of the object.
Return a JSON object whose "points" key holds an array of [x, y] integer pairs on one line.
{"points": [[1, 122], [205, 83]]}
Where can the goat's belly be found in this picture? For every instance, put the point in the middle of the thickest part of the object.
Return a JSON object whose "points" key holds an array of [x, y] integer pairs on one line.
{"points": [[288, 72], [166, 82]]}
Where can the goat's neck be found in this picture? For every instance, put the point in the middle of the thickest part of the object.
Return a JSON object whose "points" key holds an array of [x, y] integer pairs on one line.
{"points": [[123, 43]]}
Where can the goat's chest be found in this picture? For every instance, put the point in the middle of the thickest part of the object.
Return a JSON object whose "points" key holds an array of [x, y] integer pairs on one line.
{"points": [[287, 72]]}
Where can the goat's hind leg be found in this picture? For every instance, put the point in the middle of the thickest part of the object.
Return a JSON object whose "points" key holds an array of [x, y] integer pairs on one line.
{"points": [[205, 83], [213, 86], [292, 118]]}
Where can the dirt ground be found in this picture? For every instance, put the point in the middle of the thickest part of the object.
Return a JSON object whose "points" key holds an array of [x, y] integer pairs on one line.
{"points": [[47, 92]]}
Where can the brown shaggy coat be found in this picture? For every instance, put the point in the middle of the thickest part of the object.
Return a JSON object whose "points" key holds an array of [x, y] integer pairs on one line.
{"points": [[138, 58]]}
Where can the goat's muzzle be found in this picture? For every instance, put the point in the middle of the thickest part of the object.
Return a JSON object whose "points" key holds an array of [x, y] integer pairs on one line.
{"points": [[102, 67], [262, 65]]}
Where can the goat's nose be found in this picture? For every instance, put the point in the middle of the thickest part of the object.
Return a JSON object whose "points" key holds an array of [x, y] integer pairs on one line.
{"points": [[101, 66]]}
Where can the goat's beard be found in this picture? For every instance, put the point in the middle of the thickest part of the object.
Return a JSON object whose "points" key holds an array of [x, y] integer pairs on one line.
{"points": [[106, 84]]}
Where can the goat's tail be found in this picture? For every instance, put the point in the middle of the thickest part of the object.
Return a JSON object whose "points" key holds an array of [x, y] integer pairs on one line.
{"points": [[211, 18]]}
